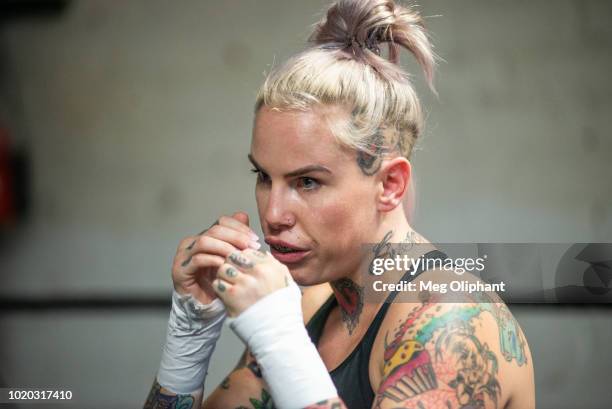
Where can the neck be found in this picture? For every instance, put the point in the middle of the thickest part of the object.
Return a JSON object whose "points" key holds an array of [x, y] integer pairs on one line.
{"points": [[349, 290]]}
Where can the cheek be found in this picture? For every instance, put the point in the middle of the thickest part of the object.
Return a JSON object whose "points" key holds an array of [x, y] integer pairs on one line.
{"points": [[345, 219]]}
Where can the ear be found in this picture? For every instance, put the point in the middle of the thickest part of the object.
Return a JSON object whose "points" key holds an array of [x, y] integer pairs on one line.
{"points": [[394, 177]]}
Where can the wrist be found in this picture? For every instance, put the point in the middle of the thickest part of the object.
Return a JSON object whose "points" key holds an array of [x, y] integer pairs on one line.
{"points": [[273, 330], [193, 331]]}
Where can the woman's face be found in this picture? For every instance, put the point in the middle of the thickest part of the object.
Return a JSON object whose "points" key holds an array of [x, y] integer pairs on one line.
{"points": [[315, 205]]}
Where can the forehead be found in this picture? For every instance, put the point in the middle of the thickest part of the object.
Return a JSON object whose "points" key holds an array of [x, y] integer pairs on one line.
{"points": [[291, 139]]}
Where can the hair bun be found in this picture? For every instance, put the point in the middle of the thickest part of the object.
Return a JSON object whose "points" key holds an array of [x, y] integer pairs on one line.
{"points": [[357, 28]]}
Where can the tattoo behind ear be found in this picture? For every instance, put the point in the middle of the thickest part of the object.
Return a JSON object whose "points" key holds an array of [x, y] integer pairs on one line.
{"points": [[370, 162]]}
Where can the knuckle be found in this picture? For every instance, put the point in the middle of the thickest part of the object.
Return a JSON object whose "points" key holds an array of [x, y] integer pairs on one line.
{"points": [[182, 244], [214, 230], [204, 241], [198, 259], [245, 241], [222, 269], [176, 262], [234, 255]]}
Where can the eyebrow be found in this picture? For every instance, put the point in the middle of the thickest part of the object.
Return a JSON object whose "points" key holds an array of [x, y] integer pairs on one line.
{"points": [[298, 172]]}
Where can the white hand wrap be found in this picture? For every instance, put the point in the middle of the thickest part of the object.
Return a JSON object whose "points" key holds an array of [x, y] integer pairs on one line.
{"points": [[193, 330], [274, 331]]}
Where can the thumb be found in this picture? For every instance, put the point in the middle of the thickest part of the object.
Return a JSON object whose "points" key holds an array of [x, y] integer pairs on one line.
{"points": [[242, 217]]}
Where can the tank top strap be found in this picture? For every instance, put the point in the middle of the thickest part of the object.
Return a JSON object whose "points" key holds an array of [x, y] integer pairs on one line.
{"points": [[315, 325]]}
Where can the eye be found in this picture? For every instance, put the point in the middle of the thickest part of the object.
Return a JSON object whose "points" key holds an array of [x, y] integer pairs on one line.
{"points": [[307, 183], [261, 176]]}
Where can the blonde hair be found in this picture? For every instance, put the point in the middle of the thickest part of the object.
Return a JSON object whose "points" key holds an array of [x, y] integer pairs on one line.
{"points": [[344, 67]]}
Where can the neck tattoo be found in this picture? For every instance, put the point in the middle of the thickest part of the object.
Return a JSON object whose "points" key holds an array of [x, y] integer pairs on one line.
{"points": [[386, 249], [350, 299], [350, 295]]}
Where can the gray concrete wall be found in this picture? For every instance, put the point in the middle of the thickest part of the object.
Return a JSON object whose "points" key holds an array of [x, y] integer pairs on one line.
{"points": [[137, 117]]}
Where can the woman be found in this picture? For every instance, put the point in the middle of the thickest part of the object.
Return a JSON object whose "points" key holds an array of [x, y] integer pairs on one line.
{"points": [[333, 133]]}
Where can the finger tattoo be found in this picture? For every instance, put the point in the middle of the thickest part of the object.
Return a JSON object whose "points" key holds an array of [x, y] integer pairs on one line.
{"points": [[191, 245], [259, 254], [208, 228], [184, 263], [221, 286], [240, 260]]}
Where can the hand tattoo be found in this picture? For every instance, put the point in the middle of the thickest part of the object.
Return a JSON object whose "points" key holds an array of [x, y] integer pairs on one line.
{"points": [[184, 263], [240, 260], [221, 286]]}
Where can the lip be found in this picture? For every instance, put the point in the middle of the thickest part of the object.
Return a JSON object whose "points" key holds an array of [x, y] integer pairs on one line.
{"points": [[276, 242], [287, 258]]}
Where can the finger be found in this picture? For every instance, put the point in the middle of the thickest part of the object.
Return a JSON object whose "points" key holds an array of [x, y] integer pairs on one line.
{"points": [[199, 261], [239, 240], [208, 228], [240, 260], [238, 225], [242, 217], [208, 245], [257, 256], [221, 288], [192, 240], [228, 273]]}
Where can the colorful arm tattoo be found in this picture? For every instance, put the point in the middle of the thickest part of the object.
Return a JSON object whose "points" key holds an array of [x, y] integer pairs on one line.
{"points": [[435, 360], [160, 398], [511, 339]]}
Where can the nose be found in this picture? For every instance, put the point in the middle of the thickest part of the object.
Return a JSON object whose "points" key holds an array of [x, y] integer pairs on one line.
{"points": [[278, 214]]}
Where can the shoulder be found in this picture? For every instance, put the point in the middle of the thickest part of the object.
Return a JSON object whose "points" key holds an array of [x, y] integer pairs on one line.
{"points": [[461, 351], [313, 298]]}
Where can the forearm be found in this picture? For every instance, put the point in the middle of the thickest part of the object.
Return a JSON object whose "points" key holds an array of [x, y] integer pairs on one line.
{"points": [[160, 397], [274, 331]]}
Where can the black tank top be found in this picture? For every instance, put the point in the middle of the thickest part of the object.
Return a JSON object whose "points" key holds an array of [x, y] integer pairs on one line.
{"points": [[351, 377]]}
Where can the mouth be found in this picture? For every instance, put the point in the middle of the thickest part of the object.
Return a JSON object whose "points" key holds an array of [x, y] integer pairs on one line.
{"points": [[287, 253]]}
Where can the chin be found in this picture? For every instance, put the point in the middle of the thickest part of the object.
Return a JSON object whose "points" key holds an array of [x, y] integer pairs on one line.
{"points": [[304, 276]]}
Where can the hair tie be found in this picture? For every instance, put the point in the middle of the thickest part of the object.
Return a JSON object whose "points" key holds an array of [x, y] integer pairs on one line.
{"points": [[371, 44]]}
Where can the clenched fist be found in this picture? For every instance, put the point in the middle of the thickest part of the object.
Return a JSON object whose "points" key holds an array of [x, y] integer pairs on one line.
{"points": [[198, 257], [248, 276]]}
